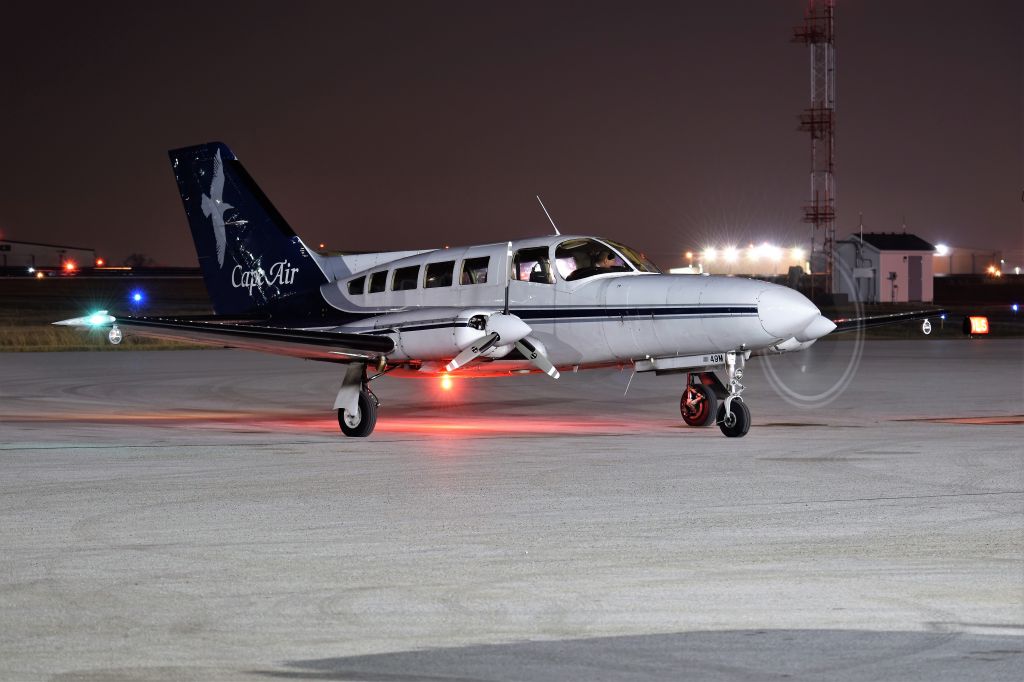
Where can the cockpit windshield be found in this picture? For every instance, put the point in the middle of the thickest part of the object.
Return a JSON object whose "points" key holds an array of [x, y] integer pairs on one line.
{"points": [[581, 258], [637, 259]]}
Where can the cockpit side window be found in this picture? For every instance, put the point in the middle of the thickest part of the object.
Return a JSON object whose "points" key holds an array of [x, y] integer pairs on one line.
{"points": [[580, 258], [533, 265]]}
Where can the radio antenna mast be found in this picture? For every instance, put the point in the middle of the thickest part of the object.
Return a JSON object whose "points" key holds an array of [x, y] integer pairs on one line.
{"points": [[550, 220]]}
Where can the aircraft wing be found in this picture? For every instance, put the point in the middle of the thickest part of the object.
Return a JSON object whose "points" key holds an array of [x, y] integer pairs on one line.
{"points": [[849, 324], [298, 343]]}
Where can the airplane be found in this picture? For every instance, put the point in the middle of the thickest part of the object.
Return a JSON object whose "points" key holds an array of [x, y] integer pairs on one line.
{"points": [[549, 304]]}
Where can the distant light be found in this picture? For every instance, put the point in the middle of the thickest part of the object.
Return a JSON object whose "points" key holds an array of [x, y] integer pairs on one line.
{"points": [[998, 273], [710, 254], [797, 253], [731, 254], [754, 252], [1016, 270], [1015, 307], [69, 266], [978, 324], [322, 245], [39, 275], [775, 253], [137, 296], [941, 249], [689, 255], [100, 262], [446, 382], [31, 270], [991, 270], [97, 319], [942, 316]]}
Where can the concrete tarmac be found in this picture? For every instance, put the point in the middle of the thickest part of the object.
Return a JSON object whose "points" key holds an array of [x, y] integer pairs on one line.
{"points": [[196, 515]]}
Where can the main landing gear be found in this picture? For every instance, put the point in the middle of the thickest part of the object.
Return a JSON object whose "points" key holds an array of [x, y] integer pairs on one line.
{"points": [[706, 400], [356, 404]]}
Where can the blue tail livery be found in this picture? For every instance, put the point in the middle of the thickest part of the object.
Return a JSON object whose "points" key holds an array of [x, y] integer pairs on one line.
{"points": [[252, 261]]}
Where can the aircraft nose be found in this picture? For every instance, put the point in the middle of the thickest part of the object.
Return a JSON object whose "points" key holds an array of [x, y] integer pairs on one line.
{"points": [[784, 312]]}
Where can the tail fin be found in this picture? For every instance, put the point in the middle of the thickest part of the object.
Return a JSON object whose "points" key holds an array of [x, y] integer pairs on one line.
{"points": [[252, 261]]}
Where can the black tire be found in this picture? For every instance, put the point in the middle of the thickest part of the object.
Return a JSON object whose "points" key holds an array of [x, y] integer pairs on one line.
{"points": [[698, 405], [739, 423], [365, 420]]}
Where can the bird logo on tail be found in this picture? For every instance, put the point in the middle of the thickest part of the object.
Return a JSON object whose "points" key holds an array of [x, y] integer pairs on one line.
{"points": [[214, 207]]}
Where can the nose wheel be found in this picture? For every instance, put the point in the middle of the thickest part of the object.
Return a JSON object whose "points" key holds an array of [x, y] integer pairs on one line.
{"points": [[735, 422]]}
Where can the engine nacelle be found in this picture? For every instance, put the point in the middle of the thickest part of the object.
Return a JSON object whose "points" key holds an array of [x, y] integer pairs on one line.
{"points": [[441, 332]]}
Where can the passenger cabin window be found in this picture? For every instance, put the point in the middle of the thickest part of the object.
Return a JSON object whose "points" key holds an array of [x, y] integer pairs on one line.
{"points": [[532, 265], [439, 274], [356, 285], [405, 278], [581, 258], [377, 282], [474, 270]]}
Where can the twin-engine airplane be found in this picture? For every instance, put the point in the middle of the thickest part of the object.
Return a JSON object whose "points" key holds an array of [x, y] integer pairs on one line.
{"points": [[547, 304]]}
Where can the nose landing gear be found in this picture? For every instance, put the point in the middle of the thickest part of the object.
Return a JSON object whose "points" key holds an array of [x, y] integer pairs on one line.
{"points": [[734, 416]]}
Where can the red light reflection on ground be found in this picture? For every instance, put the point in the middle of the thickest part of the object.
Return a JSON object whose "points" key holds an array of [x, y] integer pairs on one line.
{"points": [[454, 425]]}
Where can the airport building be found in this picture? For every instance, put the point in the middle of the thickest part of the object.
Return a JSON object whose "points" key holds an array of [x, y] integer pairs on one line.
{"points": [[957, 260], [885, 267], [15, 254]]}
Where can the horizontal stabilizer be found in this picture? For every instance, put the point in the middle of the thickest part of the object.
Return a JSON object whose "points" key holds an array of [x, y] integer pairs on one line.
{"points": [[299, 343]]}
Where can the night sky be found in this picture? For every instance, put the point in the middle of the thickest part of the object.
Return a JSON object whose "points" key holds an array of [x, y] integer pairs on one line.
{"points": [[377, 126]]}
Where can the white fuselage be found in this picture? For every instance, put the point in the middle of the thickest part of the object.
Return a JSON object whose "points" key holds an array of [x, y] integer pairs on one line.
{"points": [[604, 318]]}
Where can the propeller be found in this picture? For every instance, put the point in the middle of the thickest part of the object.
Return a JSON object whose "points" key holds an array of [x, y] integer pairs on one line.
{"points": [[500, 327], [529, 348]]}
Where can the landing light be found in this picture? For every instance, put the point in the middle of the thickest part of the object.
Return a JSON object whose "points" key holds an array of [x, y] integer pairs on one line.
{"points": [[710, 254], [731, 254]]}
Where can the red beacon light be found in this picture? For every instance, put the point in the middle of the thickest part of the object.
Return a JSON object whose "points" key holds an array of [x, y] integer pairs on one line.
{"points": [[69, 266], [976, 325]]}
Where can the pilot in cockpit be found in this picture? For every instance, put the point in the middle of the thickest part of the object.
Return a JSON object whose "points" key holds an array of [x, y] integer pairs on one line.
{"points": [[605, 259]]}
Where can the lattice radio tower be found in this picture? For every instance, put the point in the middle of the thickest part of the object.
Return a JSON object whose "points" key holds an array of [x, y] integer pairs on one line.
{"points": [[818, 32]]}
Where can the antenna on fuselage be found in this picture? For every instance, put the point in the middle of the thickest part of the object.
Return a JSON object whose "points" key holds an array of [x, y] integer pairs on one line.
{"points": [[550, 220]]}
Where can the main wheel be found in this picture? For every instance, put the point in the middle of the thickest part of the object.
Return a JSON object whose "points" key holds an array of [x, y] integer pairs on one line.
{"points": [[361, 423], [699, 405], [736, 422]]}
